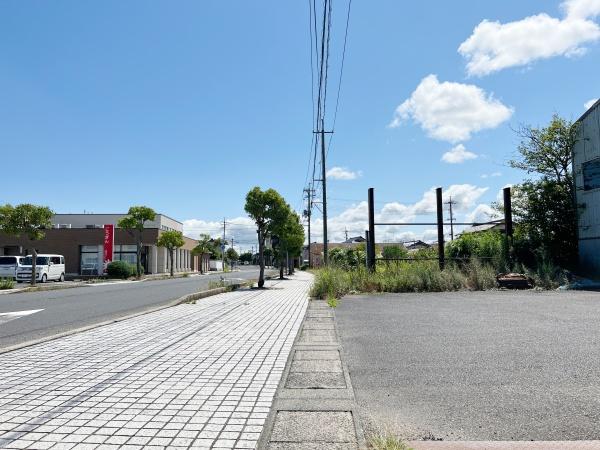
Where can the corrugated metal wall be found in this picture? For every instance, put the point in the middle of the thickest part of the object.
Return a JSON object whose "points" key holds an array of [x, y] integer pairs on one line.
{"points": [[587, 149]]}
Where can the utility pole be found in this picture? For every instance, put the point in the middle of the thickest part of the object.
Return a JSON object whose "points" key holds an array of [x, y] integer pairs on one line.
{"points": [[324, 176], [450, 203], [322, 133], [308, 214], [223, 246]]}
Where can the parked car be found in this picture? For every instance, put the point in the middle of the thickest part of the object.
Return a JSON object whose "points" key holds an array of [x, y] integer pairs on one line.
{"points": [[48, 267], [9, 266]]}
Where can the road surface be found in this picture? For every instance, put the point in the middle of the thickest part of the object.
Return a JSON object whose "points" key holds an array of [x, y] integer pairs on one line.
{"points": [[476, 365], [30, 316]]}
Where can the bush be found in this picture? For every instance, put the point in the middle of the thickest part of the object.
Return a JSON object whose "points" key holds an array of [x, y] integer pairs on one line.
{"points": [[488, 245], [304, 267], [120, 269], [7, 283]]}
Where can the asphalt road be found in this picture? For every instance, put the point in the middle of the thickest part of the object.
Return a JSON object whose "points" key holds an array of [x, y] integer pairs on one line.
{"points": [[67, 309], [476, 366]]}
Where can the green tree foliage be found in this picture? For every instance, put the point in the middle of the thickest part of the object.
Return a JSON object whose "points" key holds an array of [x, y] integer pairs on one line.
{"points": [[205, 246], [348, 258], [291, 239], [544, 207], [27, 220], [246, 257], [134, 222], [171, 240], [269, 211], [486, 245], [231, 255], [394, 252]]}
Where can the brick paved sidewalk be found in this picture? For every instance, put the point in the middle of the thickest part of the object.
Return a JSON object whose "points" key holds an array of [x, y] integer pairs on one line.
{"points": [[200, 376]]}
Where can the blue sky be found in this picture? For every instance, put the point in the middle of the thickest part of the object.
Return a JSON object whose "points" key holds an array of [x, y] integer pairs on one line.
{"points": [[184, 106]]}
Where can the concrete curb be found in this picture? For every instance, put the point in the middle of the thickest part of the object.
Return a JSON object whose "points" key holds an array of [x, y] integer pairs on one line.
{"points": [[178, 301], [305, 414]]}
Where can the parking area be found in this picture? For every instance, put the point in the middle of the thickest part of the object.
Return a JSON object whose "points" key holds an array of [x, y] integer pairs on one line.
{"points": [[475, 365]]}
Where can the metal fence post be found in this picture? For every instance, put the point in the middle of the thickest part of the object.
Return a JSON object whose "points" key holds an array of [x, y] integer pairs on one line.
{"points": [[371, 251], [508, 224], [367, 249], [440, 227]]}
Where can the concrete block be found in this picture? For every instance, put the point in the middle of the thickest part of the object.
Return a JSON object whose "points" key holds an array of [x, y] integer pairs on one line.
{"points": [[314, 427], [315, 365], [315, 380], [316, 354]]}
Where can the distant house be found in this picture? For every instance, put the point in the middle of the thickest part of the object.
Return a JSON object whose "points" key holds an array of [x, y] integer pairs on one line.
{"points": [[355, 240], [416, 245], [586, 167], [493, 225]]}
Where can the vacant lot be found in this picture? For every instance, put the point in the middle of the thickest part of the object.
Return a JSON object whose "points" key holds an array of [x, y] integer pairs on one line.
{"points": [[476, 365]]}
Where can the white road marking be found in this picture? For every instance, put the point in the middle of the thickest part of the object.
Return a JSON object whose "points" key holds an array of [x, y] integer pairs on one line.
{"points": [[8, 316]]}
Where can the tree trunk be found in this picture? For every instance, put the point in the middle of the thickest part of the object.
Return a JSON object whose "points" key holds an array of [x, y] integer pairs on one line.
{"points": [[33, 265], [261, 259], [281, 264], [201, 262], [139, 254], [171, 256]]}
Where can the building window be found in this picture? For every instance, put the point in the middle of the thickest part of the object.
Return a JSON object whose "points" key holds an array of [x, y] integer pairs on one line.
{"points": [[591, 174], [90, 264], [127, 253]]}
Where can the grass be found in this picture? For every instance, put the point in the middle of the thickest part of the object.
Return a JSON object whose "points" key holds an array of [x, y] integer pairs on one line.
{"points": [[217, 284], [418, 276], [332, 302], [7, 283], [387, 442]]}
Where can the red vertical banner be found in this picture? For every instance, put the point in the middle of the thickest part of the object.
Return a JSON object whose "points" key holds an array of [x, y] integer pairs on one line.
{"points": [[109, 240]]}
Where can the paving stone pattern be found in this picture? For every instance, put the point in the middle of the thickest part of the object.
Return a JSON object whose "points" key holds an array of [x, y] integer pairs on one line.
{"points": [[193, 376]]}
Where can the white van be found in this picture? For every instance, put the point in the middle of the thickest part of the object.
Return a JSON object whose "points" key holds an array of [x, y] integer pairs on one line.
{"points": [[48, 267], [9, 266]]}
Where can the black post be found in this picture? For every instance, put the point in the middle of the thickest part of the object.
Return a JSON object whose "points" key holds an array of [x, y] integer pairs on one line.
{"points": [[371, 251], [440, 227], [508, 224], [367, 251]]}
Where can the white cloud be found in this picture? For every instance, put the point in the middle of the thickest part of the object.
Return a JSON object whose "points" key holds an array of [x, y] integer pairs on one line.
{"points": [[582, 9], [587, 105], [241, 229], [457, 155], [451, 111], [494, 46], [342, 173], [482, 213], [491, 175]]}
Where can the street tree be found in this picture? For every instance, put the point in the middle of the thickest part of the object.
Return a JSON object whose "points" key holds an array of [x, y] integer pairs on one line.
{"points": [[545, 206], [231, 255], [291, 239], [171, 240], [134, 222], [246, 257], [268, 210], [28, 220], [205, 246]]}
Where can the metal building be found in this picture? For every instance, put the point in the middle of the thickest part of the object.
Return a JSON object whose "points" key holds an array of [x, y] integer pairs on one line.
{"points": [[586, 164]]}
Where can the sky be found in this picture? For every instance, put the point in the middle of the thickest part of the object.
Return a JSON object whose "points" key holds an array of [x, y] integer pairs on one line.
{"points": [[185, 106]]}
